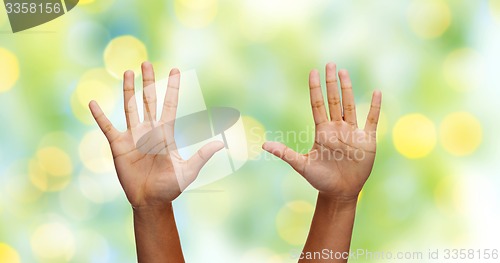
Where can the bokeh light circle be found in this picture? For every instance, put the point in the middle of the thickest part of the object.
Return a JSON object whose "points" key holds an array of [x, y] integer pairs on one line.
{"points": [[97, 90], [460, 133], [463, 69], [8, 254], [195, 13], [54, 161], [51, 169], [95, 84], [414, 136], [54, 242], [429, 18], [293, 220], [9, 69], [124, 53], [95, 152]]}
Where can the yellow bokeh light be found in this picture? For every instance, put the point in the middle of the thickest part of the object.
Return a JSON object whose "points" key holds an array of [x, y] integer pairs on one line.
{"points": [[9, 70], [51, 169], [414, 136], [8, 254], [195, 13], [293, 221], [98, 85], [429, 18], [463, 69], [460, 133], [124, 53], [255, 135], [98, 91], [54, 161], [54, 242], [95, 152]]}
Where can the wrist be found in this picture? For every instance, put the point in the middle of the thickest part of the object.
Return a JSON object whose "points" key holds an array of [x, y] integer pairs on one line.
{"points": [[152, 212], [338, 203]]}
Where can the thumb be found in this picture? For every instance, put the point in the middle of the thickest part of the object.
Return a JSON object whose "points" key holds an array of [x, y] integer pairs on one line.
{"points": [[200, 158], [294, 159]]}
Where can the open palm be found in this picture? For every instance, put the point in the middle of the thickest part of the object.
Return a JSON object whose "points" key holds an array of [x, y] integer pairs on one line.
{"points": [[147, 162], [342, 156]]}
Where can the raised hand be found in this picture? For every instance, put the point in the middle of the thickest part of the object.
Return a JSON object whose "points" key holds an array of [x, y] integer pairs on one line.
{"points": [[338, 164], [149, 168], [342, 156]]}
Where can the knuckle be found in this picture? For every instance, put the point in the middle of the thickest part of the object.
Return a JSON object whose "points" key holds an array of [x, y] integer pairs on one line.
{"points": [[148, 80], [347, 86], [373, 120], [201, 153], [349, 107], [107, 128], [315, 86], [317, 104], [334, 101], [173, 86]]}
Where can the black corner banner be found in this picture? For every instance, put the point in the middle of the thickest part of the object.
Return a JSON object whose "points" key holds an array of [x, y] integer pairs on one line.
{"points": [[25, 14]]}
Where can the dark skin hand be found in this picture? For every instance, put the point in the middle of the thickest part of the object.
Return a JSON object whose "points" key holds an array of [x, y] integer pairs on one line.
{"points": [[339, 163], [152, 174]]}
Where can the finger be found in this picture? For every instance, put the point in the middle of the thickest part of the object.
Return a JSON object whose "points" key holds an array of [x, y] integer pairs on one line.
{"points": [[106, 127], [171, 98], [317, 103], [294, 159], [131, 114], [198, 160], [149, 91], [374, 113], [347, 98], [332, 91]]}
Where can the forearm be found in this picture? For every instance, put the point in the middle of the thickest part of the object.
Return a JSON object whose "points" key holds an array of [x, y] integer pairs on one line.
{"points": [[156, 236], [331, 229]]}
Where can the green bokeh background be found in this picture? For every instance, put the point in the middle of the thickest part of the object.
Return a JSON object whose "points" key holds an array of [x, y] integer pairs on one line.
{"points": [[432, 58]]}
